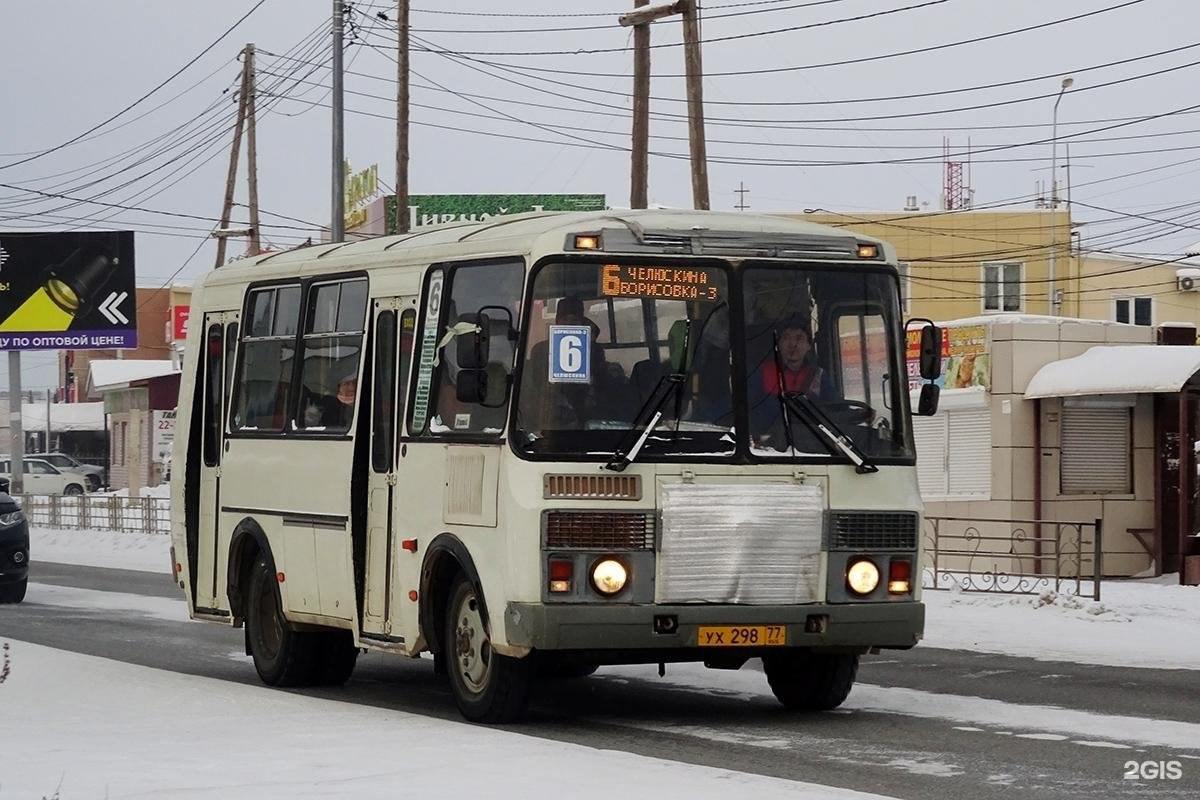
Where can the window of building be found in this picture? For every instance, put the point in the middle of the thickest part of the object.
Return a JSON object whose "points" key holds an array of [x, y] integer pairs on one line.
{"points": [[333, 336], [1001, 287], [1134, 310], [495, 290], [268, 355], [954, 454], [1097, 446]]}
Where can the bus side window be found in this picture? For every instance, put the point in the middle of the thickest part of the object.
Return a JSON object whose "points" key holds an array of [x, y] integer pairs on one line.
{"points": [[264, 377], [495, 287], [383, 411], [334, 324], [215, 353]]}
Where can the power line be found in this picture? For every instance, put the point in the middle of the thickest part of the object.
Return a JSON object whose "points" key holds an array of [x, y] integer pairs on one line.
{"points": [[137, 102]]}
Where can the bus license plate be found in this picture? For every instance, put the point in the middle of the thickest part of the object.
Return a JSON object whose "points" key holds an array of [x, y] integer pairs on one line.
{"points": [[742, 636]]}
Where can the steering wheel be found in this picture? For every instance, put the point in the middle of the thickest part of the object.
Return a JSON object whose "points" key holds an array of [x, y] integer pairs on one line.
{"points": [[854, 412]]}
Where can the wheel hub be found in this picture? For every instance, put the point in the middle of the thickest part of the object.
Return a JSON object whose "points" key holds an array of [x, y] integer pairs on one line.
{"points": [[472, 651]]}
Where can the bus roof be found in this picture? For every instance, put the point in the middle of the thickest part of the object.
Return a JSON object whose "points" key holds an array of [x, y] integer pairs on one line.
{"points": [[539, 232]]}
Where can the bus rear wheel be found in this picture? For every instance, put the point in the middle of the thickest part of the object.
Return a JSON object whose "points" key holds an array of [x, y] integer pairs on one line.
{"points": [[13, 592], [487, 686], [811, 681], [282, 656]]}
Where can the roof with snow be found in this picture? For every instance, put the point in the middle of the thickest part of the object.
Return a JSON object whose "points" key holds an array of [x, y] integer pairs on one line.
{"points": [[1128, 369], [119, 373]]}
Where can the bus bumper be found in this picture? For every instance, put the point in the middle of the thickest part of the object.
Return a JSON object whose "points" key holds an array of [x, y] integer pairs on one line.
{"points": [[623, 627]]}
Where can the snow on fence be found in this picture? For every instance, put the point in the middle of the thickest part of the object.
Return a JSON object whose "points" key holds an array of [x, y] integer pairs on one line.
{"points": [[1012, 556], [101, 512]]}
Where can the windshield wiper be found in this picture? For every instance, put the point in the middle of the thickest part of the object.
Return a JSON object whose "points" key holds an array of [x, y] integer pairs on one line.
{"points": [[668, 385], [811, 415]]}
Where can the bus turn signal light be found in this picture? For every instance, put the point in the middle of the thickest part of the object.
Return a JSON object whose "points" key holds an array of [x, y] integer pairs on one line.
{"points": [[899, 577], [561, 572]]}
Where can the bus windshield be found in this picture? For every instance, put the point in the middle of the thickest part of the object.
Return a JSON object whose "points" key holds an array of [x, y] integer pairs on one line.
{"points": [[602, 338], [830, 336], [606, 342]]}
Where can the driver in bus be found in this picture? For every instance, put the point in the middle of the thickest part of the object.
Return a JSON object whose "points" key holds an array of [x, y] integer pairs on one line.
{"points": [[801, 374]]}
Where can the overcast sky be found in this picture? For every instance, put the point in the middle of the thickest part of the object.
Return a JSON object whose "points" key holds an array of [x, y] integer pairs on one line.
{"points": [[70, 64]]}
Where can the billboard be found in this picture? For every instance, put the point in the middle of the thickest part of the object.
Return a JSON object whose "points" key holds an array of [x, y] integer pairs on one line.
{"points": [[435, 209], [966, 362], [72, 291]]}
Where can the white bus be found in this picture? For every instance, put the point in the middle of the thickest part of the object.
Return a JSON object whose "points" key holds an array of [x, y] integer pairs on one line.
{"points": [[548, 442]]}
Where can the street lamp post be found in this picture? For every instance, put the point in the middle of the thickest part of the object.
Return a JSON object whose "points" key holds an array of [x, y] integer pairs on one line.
{"points": [[1051, 297]]}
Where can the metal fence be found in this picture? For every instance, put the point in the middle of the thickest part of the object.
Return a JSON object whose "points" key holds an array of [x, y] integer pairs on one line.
{"points": [[98, 512], [1012, 556]]}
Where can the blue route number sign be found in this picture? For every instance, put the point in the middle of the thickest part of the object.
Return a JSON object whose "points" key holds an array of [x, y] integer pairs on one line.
{"points": [[570, 354]]}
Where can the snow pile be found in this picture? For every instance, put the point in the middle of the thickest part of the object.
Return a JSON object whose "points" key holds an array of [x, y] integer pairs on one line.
{"points": [[162, 490], [144, 552], [1143, 623], [81, 726]]}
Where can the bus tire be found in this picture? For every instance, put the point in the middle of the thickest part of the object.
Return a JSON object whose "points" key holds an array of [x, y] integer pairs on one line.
{"points": [[282, 656], [336, 656], [811, 681], [11, 593], [487, 686]]}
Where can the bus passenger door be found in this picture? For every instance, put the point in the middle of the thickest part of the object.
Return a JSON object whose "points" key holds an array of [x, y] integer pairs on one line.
{"points": [[394, 321], [220, 339]]}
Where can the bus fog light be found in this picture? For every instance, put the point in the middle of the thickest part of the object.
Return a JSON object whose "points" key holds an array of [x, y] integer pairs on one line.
{"points": [[609, 576], [862, 576]]}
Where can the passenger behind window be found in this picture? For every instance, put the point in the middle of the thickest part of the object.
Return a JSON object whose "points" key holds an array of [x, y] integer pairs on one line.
{"points": [[331, 411], [569, 406]]}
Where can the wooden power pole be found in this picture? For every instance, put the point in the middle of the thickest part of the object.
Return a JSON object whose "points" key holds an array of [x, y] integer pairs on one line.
{"points": [[639, 185], [402, 117], [693, 71], [243, 124]]}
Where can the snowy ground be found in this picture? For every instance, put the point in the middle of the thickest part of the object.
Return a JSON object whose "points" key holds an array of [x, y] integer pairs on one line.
{"points": [[1139, 623], [79, 726]]}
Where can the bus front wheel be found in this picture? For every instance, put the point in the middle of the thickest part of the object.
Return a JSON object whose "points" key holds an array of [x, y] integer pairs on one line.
{"points": [[487, 686], [282, 656], [811, 681]]}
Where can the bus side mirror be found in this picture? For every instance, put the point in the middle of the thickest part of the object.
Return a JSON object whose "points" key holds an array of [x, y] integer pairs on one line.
{"points": [[931, 351], [927, 404], [487, 387], [473, 349]]}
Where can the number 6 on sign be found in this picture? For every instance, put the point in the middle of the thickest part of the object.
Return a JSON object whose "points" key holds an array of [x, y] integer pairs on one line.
{"points": [[570, 354]]}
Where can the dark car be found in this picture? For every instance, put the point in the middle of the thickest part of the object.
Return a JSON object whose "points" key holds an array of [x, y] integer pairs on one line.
{"points": [[14, 551]]}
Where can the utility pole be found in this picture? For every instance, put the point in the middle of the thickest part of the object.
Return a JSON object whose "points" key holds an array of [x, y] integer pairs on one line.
{"points": [[639, 184], [337, 222], [16, 444], [231, 175], [741, 192], [402, 117], [1053, 304], [252, 151], [695, 104], [693, 71]]}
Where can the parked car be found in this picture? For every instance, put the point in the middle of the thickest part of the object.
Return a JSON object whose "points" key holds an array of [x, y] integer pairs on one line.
{"points": [[14, 551], [42, 477], [95, 475]]}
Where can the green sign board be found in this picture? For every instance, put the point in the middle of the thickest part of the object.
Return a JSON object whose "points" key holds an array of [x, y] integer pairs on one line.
{"points": [[435, 209]]}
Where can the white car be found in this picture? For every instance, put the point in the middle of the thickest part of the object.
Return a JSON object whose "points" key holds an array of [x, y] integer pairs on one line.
{"points": [[42, 477]]}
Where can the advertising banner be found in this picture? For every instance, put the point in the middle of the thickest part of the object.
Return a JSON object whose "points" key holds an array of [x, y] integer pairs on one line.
{"points": [[435, 209], [163, 435], [965, 359], [67, 291], [179, 322]]}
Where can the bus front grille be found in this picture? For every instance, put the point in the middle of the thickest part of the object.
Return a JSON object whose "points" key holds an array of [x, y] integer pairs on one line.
{"points": [[872, 530], [600, 530]]}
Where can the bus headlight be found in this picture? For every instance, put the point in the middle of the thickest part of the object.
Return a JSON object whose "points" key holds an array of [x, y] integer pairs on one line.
{"points": [[862, 576], [609, 576]]}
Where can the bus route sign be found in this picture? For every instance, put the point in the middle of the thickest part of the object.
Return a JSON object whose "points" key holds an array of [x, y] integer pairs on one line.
{"points": [[660, 283]]}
